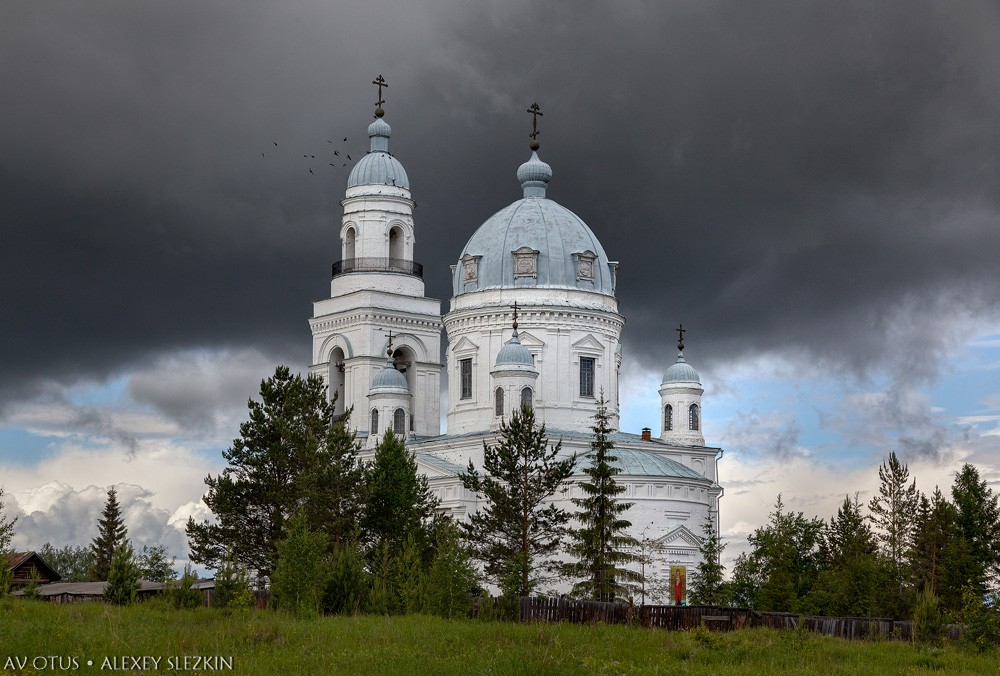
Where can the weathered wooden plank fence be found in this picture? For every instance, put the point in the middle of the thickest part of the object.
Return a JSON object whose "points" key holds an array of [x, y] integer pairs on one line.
{"points": [[716, 618]]}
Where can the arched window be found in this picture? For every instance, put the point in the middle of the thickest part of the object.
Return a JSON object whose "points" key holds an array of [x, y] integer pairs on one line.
{"points": [[395, 245], [668, 417], [349, 238], [374, 429], [693, 417], [399, 421], [526, 397], [498, 411]]}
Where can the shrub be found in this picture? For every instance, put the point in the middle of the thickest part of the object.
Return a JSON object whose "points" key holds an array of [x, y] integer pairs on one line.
{"points": [[928, 622]]}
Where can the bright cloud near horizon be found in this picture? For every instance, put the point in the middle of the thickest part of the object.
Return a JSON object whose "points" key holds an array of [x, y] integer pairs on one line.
{"points": [[813, 191]]}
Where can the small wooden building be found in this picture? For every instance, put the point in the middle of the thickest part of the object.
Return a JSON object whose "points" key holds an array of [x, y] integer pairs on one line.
{"points": [[21, 565]]}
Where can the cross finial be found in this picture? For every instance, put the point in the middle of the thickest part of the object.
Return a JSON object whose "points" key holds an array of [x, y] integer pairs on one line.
{"points": [[379, 82], [535, 112], [680, 337], [515, 315], [388, 350]]}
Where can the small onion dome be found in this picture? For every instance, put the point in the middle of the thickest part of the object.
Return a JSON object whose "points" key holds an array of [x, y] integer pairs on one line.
{"points": [[389, 380], [534, 175], [513, 355], [378, 167], [681, 372]]}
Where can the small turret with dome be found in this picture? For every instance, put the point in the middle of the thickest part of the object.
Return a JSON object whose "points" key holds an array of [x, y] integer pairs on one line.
{"points": [[514, 377], [388, 401], [680, 401]]}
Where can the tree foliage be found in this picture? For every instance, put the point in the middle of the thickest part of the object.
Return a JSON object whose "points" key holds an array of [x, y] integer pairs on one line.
{"points": [[783, 563], [398, 501], [6, 527], [977, 521], [74, 564], [153, 564], [111, 534], [515, 531], [708, 586], [451, 577], [123, 576], [292, 454], [892, 512], [299, 577], [601, 544]]}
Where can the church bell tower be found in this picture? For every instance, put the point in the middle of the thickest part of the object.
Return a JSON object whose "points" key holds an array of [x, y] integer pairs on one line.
{"points": [[377, 291]]}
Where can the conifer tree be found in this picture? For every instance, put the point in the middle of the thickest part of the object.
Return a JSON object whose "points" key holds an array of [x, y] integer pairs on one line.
{"points": [[299, 576], [932, 559], [601, 544], [707, 585], [111, 533], [514, 531], [398, 501], [291, 454], [123, 576], [451, 577], [6, 527], [977, 522], [892, 512]]}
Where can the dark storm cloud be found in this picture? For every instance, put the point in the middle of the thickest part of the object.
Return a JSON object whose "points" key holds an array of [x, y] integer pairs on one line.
{"points": [[818, 181]]}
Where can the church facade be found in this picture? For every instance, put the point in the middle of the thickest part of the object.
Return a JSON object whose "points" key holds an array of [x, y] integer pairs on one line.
{"points": [[533, 319]]}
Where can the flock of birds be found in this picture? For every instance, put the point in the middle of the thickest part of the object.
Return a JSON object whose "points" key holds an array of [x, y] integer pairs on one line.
{"points": [[339, 160]]}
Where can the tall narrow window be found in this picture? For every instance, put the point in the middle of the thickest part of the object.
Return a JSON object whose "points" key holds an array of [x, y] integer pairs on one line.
{"points": [[374, 429], [465, 370], [668, 417], [349, 238], [526, 397], [587, 376], [693, 417], [399, 421], [499, 402]]}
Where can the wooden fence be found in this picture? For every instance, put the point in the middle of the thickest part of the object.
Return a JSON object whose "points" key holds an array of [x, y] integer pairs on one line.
{"points": [[716, 618]]}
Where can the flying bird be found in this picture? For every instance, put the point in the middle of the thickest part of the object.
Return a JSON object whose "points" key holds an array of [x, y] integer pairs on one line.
{"points": [[310, 171], [336, 152], [348, 158], [345, 139]]}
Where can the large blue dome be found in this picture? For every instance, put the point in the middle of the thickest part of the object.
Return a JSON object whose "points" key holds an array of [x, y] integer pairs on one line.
{"points": [[568, 253]]}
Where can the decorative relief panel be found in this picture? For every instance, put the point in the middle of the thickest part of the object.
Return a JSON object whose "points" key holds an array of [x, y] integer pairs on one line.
{"points": [[470, 268], [525, 262], [585, 265]]}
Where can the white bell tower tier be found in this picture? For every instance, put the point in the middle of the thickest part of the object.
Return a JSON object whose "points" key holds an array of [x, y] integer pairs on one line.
{"points": [[680, 402], [377, 291]]}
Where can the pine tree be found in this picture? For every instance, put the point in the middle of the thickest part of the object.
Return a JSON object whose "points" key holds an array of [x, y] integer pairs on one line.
{"points": [[892, 512], [708, 586], [514, 531], [288, 457], [451, 577], [123, 576], [111, 533], [601, 543], [977, 522], [398, 501]]}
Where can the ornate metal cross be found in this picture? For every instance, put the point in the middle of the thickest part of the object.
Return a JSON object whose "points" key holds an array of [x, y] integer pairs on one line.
{"points": [[380, 82], [680, 336], [515, 315], [388, 350], [535, 112]]}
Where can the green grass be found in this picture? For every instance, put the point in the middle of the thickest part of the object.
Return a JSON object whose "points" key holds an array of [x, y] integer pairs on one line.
{"points": [[264, 642]]}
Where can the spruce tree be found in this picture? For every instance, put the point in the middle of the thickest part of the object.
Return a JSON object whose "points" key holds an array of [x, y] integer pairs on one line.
{"points": [[111, 533], [893, 512], [977, 522], [851, 575], [123, 576], [451, 577], [514, 532], [708, 586], [299, 576], [601, 544], [398, 501], [933, 556]]}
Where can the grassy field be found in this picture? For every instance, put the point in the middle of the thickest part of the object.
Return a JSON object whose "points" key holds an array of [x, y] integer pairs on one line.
{"points": [[50, 637]]}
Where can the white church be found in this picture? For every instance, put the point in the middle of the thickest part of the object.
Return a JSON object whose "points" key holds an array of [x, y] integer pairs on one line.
{"points": [[533, 319]]}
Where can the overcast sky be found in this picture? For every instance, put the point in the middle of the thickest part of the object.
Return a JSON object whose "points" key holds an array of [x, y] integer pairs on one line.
{"points": [[813, 189]]}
